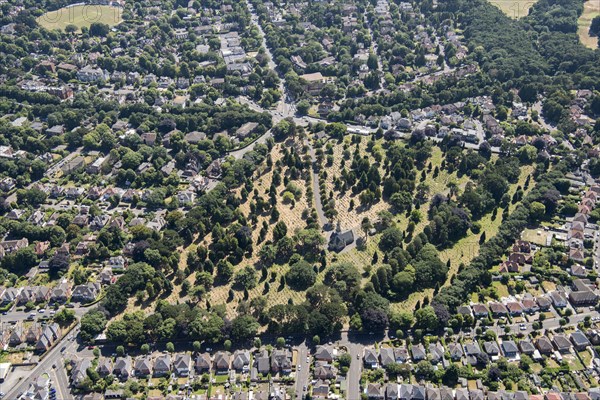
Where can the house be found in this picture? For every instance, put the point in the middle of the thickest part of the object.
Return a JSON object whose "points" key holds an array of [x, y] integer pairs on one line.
{"points": [[583, 298], [371, 358], [509, 349], [515, 308], [521, 246], [436, 352], [11, 246], [579, 340], [117, 263], [79, 371], [142, 366], [182, 364], [405, 391], [245, 130], [339, 240], [462, 394], [543, 302], [222, 362], [323, 370], [34, 294], [314, 82], [476, 394], [186, 198], [386, 356], [61, 292], [471, 351], [480, 311], [418, 352], [241, 360], [33, 334], [320, 390], [530, 305], [203, 363], [498, 309], [558, 299], [456, 351], [576, 254], [16, 336], [49, 335], [375, 391], [105, 366], [162, 365], [194, 137], [509, 266], [520, 258], [324, 353], [89, 74], [464, 310], [9, 295], [86, 293], [544, 345], [526, 347], [401, 354], [491, 348], [562, 343], [122, 368], [392, 391], [281, 361], [262, 362]]}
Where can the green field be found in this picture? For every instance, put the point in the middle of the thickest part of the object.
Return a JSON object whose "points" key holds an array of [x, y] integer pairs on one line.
{"points": [[591, 9], [80, 16], [514, 8]]}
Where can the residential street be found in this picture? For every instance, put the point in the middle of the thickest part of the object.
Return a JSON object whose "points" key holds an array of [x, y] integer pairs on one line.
{"points": [[302, 370], [54, 357]]}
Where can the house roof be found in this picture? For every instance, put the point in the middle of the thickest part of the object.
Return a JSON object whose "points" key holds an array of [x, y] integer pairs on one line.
{"points": [[579, 339]]}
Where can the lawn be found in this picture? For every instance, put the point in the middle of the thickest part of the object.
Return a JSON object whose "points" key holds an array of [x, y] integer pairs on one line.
{"points": [[80, 16], [537, 236], [591, 9], [514, 8], [586, 357]]}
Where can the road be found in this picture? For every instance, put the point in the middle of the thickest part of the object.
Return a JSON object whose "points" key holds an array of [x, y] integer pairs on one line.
{"points": [[54, 357], [354, 372], [302, 370], [61, 383]]}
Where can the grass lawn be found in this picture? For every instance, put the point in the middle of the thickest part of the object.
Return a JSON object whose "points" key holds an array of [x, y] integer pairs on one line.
{"points": [[574, 363], [532, 236], [548, 286], [80, 16], [591, 9], [501, 289], [586, 357], [514, 8]]}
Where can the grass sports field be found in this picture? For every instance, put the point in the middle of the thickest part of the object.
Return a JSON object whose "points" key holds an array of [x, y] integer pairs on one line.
{"points": [[591, 9], [80, 16], [514, 8]]}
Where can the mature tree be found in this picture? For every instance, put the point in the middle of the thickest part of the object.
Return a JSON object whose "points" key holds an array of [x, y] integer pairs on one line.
{"points": [[246, 278], [92, 323], [301, 275], [426, 318], [244, 327]]}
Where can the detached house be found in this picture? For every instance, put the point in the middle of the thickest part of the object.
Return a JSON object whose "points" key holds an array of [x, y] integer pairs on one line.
{"points": [[182, 364], [241, 360], [86, 293], [281, 361]]}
